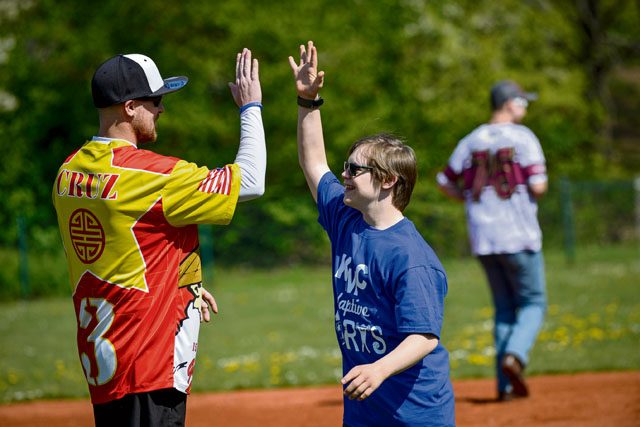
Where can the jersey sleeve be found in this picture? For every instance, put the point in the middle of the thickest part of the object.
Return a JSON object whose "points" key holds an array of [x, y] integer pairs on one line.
{"points": [[419, 295], [455, 165], [330, 203], [532, 158], [197, 195]]}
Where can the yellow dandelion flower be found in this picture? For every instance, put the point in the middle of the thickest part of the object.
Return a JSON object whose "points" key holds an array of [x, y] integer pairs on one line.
{"points": [[611, 308], [13, 377], [553, 309], [480, 359], [597, 334], [594, 318], [231, 367], [485, 312]]}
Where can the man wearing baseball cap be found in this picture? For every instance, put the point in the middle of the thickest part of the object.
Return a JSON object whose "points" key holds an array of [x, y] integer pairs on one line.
{"points": [[129, 224], [499, 171]]}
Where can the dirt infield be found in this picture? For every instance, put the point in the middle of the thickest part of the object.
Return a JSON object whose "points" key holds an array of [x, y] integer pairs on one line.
{"points": [[581, 400]]}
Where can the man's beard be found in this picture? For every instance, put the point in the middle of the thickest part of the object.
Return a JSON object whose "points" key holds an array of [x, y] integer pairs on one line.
{"points": [[146, 135]]}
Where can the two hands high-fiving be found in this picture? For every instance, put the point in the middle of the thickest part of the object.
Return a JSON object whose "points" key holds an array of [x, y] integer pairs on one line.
{"points": [[361, 380]]}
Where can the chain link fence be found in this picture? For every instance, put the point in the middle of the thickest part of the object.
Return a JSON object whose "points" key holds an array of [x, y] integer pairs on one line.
{"points": [[572, 214]]}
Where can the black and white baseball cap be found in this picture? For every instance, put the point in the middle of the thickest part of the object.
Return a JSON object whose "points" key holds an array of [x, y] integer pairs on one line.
{"points": [[505, 90], [131, 76]]}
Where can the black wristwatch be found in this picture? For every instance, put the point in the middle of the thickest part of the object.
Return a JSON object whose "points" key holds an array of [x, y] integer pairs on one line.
{"points": [[313, 104]]}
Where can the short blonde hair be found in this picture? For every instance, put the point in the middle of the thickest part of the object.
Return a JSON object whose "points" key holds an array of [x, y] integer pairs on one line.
{"points": [[389, 156]]}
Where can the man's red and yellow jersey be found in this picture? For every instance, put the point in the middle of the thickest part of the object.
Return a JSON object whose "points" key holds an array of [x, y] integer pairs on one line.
{"points": [[128, 223]]}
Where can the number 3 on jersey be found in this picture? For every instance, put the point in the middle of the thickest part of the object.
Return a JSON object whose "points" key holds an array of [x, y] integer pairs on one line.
{"points": [[98, 355]]}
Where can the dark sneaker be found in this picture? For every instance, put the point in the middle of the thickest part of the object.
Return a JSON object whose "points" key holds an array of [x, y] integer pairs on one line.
{"points": [[505, 396], [513, 368]]}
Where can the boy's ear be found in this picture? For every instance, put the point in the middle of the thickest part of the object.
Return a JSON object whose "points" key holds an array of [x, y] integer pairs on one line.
{"points": [[390, 182]]}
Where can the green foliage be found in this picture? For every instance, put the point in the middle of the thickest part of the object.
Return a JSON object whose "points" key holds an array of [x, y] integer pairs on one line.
{"points": [[275, 328], [573, 215], [418, 68]]}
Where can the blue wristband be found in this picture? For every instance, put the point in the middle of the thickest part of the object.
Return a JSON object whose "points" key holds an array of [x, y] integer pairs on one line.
{"points": [[249, 105]]}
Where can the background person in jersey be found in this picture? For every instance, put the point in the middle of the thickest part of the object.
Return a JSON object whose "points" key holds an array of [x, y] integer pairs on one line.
{"points": [[499, 171], [128, 219], [388, 284]]}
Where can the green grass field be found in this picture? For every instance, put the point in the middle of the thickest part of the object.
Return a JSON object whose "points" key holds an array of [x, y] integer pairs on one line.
{"points": [[275, 328]]}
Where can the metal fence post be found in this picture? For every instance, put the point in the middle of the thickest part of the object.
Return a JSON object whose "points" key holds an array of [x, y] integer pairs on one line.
{"points": [[568, 220], [23, 257], [636, 186], [205, 232]]}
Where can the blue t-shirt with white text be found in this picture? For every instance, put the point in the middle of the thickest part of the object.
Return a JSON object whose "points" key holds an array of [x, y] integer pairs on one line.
{"points": [[387, 284]]}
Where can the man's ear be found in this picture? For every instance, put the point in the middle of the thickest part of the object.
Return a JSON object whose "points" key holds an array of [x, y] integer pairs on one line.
{"points": [[389, 183], [129, 108]]}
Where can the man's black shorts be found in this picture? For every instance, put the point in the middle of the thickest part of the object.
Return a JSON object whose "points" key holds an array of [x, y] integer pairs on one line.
{"points": [[159, 408]]}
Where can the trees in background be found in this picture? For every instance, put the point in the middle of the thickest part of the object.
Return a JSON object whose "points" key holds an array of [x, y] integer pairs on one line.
{"points": [[417, 68]]}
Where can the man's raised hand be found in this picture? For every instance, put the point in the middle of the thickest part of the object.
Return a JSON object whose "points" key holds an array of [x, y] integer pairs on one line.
{"points": [[246, 88]]}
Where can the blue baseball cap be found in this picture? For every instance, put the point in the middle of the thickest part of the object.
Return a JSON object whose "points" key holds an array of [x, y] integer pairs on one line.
{"points": [[505, 90]]}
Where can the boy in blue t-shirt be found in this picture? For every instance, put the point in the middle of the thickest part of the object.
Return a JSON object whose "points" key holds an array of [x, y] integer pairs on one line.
{"points": [[388, 284]]}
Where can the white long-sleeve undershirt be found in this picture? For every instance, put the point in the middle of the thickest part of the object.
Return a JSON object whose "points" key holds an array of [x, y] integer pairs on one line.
{"points": [[252, 154]]}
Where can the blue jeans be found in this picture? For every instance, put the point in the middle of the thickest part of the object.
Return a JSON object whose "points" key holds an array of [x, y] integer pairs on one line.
{"points": [[518, 288]]}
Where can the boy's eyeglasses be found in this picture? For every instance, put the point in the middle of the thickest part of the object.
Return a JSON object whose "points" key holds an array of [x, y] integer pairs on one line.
{"points": [[355, 170], [156, 100]]}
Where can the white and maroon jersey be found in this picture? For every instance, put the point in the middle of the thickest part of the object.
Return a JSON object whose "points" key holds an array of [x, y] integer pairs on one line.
{"points": [[127, 218], [493, 165]]}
